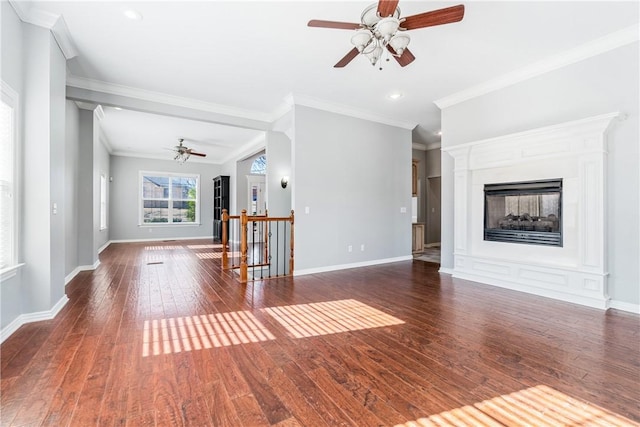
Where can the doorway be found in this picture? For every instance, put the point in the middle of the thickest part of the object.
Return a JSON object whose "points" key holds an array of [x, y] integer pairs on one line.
{"points": [[433, 211], [256, 205]]}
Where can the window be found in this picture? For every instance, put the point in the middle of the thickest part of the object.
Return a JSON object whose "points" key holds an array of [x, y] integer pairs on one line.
{"points": [[169, 198], [259, 165], [103, 202], [8, 205]]}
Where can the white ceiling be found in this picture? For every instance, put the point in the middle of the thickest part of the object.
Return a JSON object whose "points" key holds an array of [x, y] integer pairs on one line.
{"points": [[249, 57]]}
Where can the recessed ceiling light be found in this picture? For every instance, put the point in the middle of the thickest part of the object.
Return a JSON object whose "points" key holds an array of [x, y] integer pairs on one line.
{"points": [[395, 95], [117, 108], [439, 133], [133, 14]]}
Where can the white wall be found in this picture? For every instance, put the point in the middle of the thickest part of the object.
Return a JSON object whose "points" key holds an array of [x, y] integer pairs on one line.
{"points": [[598, 85], [354, 175], [124, 199]]}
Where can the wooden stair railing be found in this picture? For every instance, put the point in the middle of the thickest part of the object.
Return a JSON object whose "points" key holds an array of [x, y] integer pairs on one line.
{"points": [[266, 223]]}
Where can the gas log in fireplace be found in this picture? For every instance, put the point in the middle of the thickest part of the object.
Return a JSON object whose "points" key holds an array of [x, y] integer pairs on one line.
{"points": [[524, 212]]}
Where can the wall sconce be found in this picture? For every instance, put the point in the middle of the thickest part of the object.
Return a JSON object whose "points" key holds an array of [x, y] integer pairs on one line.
{"points": [[284, 181]]}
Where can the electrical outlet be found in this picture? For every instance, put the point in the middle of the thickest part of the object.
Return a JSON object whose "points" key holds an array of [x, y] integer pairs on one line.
{"points": [[306, 209], [350, 248], [403, 210], [362, 247]]}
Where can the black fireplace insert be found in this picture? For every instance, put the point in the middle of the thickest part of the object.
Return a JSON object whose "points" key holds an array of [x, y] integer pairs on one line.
{"points": [[524, 212]]}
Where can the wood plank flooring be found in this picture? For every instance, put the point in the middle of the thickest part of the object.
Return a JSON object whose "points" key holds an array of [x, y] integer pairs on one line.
{"points": [[461, 353]]}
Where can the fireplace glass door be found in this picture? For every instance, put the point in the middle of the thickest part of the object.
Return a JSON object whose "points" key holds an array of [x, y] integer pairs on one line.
{"points": [[524, 212]]}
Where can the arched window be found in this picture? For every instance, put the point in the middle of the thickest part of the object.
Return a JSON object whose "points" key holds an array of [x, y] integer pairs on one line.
{"points": [[259, 166]]}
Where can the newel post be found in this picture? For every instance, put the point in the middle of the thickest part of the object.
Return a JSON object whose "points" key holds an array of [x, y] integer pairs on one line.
{"points": [[291, 244], [225, 225], [243, 246]]}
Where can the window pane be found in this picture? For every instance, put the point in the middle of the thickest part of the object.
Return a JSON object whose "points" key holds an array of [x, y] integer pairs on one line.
{"points": [[155, 187], [184, 211], [183, 188], [155, 211]]}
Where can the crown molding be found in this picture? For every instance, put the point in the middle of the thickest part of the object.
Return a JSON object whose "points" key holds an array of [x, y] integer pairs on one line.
{"points": [[99, 112], [85, 105], [590, 49], [163, 98], [51, 21], [320, 104]]}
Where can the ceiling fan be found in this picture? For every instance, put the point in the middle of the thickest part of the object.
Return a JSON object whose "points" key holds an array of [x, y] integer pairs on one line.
{"points": [[183, 152], [382, 28]]}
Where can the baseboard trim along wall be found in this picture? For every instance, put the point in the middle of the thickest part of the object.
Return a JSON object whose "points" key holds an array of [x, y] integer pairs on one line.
{"points": [[352, 265], [161, 239], [32, 317], [78, 269], [625, 306]]}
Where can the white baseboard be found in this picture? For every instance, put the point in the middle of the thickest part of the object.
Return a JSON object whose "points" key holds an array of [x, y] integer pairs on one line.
{"points": [[446, 270], [160, 239], [32, 317], [80, 268], [103, 247], [625, 306], [352, 265]]}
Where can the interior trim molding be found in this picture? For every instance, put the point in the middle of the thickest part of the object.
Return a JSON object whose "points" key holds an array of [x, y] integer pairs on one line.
{"points": [[80, 268], [37, 316], [160, 239], [625, 306], [163, 98], [51, 21], [590, 49], [351, 265]]}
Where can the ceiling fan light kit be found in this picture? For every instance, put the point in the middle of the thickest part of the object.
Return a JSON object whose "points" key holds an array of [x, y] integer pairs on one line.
{"points": [[183, 153], [381, 29]]}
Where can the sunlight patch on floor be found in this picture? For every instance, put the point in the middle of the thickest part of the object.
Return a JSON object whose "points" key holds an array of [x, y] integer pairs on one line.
{"points": [[535, 406], [209, 255], [178, 334], [323, 318], [162, 247], [209, 246]]}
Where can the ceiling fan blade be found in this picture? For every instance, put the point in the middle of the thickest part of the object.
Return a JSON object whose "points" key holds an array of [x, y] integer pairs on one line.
{"points": [[387, 7], [347, 58], [193, 153], [334, 24], [435, 17], [405, 59]]}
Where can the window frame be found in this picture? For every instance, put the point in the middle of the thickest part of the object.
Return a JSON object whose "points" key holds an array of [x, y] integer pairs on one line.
{"points": [[169, 199], [11, 98]]}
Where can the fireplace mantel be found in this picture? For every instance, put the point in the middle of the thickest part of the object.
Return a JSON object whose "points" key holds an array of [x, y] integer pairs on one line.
{"points": [[575, 152]]}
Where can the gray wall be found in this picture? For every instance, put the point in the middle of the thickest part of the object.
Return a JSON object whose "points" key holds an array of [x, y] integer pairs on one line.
{"points": [[355, 176], [86, 254], [598, 85], [278, 165], [101, 162], [123, 202], [71, 180]]}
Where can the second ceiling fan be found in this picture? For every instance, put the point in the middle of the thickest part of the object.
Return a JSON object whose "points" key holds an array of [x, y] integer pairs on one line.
{"points": [[382, 28]]}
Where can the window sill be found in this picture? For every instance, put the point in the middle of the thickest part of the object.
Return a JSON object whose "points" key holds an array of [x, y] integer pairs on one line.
{"points": [[10, 272]]}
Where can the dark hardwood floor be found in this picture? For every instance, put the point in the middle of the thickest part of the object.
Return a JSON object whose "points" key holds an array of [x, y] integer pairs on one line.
{"points": [[159, 336]]}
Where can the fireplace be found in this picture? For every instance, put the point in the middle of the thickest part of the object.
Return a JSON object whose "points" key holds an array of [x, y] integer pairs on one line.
{"points": [[524, 212]]}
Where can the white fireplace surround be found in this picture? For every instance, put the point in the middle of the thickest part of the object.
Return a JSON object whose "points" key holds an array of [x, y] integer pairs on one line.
{"points": [[575, 152]]}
